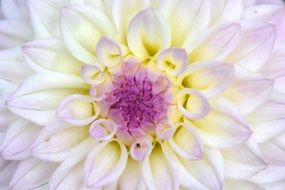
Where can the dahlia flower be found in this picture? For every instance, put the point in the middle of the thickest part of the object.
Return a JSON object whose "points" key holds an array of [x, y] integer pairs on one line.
{"points": [[133, 95]]}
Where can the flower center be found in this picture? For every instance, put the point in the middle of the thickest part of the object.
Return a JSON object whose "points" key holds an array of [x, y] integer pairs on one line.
{"points": [[138, 104]]}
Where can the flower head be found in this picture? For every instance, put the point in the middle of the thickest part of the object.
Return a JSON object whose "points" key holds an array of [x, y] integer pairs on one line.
{"points": [[142, 94]]}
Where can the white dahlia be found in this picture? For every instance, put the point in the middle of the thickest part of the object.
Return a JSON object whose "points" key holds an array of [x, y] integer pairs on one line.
{"points": [[142, 94]]}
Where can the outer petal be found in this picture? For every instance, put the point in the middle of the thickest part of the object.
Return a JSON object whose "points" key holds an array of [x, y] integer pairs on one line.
{"points": [[242, 184], [39, 94], [14, 8], [50, 54], [243, 161], [211, 166], [78, 110], [186, 142], [268, 120], [261, 36], [132, 179], [12, 67], [31, 173], [7, 169], [58, 141], [224, 126], [270, 174], [44, 18], [211, 78], [148, 33], [248, 90], [91, 25], [17, 140], [11, 38], [219, 43], [274, 150], [158, 172], [69, 175], [105, 163]]}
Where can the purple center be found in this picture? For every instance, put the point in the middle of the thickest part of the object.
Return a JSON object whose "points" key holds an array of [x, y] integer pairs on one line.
{"points": [[134, 105]]}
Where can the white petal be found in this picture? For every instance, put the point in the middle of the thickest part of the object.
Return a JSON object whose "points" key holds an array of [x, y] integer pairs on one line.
{"points": [[186, 142], [91, 25], [44, 19], [173, 61], [261, 36], [141, 148], [131, 179], [192, 104], [224, 126], [69, 175], [103, 129], [209, 171], [50, 54], [274, 150], [270, 174], [158, 172], [12, 67], [105, 163], [211, 78], [148, 33], [268, 120], [248, 90], [93, 75], [14, 8], [232, 11], [219, 43], [58, 141], [46, 88], [243, 161], [274, 67], [78, 109], [31, 173], [11, 38], [7, 169], [109, 53], [242, 184], [17, 140]]}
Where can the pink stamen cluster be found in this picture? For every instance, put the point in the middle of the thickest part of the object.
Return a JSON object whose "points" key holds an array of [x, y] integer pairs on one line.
{"points": [[135, 105]]}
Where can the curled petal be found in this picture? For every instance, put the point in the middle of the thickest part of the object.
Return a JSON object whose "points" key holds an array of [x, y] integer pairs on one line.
{"points": [[173, 61], [17, 140], [78, 109], [158, 172], [224, 126], [186, 142], [59, 140], [50, 54], [141, 148], [103, 129], [108, 52], [132, 178], [261, 36], [218, 44], [91, 25], [211, 78], [93, 75], [29, 174], [148, 33], [105, 163], [192, 104], [248, 90], [164, 131]]}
